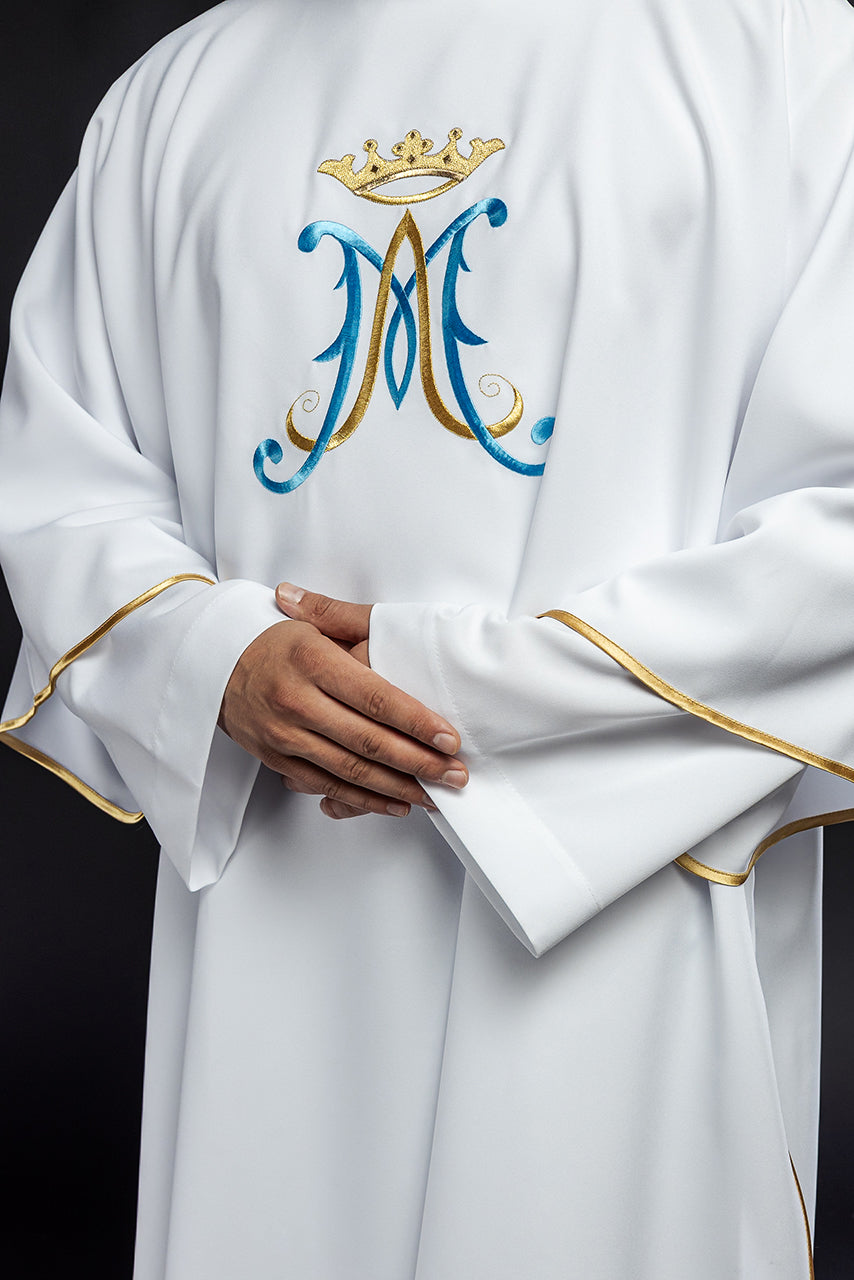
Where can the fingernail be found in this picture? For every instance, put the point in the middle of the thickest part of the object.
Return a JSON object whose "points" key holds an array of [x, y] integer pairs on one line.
{"points": [[455, 778], [446, 743], [289, 593], [398, 810], [427, 803]]}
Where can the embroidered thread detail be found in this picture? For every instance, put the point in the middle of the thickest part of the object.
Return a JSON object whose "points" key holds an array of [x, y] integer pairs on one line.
{"points": [[413, 161], [401, 323]]}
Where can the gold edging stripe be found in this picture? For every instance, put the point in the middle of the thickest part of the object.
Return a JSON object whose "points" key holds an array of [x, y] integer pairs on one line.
{"points": [[806, 1218], [38, 757], [76, 784], [699, 709], [782, 833], [9, 726]]}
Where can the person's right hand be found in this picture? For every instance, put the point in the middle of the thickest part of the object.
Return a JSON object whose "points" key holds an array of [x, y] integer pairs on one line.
{"points": [[330, 726]]}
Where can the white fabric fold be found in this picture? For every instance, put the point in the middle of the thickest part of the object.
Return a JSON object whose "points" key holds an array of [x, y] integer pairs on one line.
{"points": [[98, 523], [157, 717], [583, 783]]}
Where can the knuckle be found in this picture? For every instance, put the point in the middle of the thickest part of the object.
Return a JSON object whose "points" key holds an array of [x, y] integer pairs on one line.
{"points": [[371, 745], [283, 691], [289, 765], [305, 656], [358, 769], [320, 606], [279, 740], [281, 697], [301, 786], [271, 759], [377, 704], [287, 702], [293, 712]]}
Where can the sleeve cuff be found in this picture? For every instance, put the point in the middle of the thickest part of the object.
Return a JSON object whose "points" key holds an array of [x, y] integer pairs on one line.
{"points": [[512, 856], [203, 780]]}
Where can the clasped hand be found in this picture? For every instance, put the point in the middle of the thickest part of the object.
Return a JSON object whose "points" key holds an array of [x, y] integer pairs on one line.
{"points": [[304, 701]]}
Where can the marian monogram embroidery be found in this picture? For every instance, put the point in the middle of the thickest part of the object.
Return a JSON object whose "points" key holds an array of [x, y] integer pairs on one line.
{"points": [[395, 319]]}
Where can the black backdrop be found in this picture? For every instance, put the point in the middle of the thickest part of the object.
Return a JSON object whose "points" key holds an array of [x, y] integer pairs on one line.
{"points": [[76, 889]]}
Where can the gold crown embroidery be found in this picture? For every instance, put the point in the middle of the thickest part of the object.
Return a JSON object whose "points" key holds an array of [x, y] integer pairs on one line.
{"points": [[415, 159]]}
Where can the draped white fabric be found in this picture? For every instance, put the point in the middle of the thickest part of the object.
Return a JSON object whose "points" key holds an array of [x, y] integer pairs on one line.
{"points": [[517, 1040]]}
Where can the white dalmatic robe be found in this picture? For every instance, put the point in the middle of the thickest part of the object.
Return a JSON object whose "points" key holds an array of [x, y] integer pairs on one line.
{"points": [[570, 334]]}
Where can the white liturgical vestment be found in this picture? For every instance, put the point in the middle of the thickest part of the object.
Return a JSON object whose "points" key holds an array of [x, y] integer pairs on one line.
{"points": [[531, 323]]}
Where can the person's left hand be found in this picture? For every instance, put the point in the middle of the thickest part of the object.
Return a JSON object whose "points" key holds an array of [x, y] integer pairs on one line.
{"points": [[337, 619]]}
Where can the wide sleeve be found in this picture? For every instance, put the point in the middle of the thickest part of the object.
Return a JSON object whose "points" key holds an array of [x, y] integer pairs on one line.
{"points": [[128, 635], [669, 712]]}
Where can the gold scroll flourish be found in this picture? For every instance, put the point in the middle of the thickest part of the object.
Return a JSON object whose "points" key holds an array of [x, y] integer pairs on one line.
{"points": [[9, 727], [407, 229], [721, 721], [309, 402]]}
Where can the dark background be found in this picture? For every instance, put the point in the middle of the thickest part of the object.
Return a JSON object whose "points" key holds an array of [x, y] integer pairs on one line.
{"points": [[77, 889]]}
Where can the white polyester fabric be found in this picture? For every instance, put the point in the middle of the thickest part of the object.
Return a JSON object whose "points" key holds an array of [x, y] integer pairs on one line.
{"points": [[516, 1040]]}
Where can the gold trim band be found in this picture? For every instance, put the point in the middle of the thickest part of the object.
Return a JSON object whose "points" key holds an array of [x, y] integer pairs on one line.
{"points": [[806, 1219], [735, 879], [38, 757], [699, 709], [76, 784], [717, 718]]}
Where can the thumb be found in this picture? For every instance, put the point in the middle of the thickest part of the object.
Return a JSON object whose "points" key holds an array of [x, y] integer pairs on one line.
{"points": [[337, 619]]}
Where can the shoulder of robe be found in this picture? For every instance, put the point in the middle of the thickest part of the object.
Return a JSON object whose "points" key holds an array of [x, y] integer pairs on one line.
{"points": [[142, 105]]}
